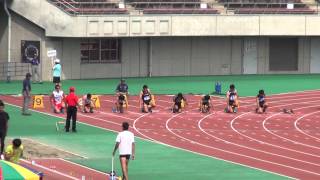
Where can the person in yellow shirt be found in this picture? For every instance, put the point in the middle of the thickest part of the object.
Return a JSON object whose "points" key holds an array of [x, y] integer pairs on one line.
{"points": [[14, 151]]}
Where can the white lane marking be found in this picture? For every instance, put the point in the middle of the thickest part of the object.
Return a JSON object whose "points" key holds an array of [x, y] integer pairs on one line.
{"points": [[246, 147], [194, 152], [264, 142], [264, 127], [234, 153], [48, 169], [300, 130]]}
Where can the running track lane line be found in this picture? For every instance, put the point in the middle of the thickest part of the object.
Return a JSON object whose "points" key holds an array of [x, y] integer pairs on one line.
{"points": [[264, 127], [50, 170], [84, 166], [194, 152], [263, 142], [234, 153], [300, 130], [246, 147]]}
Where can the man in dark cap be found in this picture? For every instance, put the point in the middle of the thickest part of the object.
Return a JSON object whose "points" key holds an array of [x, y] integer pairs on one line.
{"points": [[26, 92]]}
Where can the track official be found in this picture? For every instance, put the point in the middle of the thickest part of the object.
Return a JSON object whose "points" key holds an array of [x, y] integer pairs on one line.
{"points": [[71, 103]]}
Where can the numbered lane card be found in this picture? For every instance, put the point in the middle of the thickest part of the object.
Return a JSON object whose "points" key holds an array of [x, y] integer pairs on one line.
{"points": [[96, 101], [38, 101]]}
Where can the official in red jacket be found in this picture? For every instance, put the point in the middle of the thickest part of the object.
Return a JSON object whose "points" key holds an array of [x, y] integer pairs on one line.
{"points": [[71, 103]]}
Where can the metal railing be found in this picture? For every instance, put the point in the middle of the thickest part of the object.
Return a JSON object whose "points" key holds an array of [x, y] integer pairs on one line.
{"points": [[13, 70], [112, 6]]}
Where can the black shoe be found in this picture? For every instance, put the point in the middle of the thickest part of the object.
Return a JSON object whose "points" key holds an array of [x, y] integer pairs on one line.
{"points": [[67, 130], [74, 130]]}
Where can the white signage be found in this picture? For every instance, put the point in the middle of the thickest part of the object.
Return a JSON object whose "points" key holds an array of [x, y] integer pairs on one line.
{"points": [[290, 6], [203, 5], [51, 53]]}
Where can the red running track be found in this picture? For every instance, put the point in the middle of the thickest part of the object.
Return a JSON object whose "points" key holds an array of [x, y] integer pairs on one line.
{"points": [[284, 144]]}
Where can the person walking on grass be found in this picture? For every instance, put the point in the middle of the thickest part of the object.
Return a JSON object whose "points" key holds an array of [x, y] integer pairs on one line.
{"points": [[4, 117], [71, 103], [26, 92], [125, 143]]}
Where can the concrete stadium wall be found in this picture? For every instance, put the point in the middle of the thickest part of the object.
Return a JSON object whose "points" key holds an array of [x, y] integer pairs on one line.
{"points": [[315, 55], [22, 29], [196, 56], [134, 60], [169, 56], [59, 24], [3, 35]]}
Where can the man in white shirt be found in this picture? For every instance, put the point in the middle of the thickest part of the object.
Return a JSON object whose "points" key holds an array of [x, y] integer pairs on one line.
{"points": [[125, 143]]}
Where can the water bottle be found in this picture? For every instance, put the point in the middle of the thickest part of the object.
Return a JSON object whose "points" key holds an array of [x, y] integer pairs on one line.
{"points": [[218, 87]]}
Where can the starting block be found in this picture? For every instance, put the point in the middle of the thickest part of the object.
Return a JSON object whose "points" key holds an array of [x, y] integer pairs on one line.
{"points": [[153, 101], [183, 104], [37, 101], [126, 105], [58, 124]]}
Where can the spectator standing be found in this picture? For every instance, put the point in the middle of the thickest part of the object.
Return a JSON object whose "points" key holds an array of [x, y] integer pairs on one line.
{"points": [[14, 151], [26, 92], [126, 145], [71, 103], [4, 117], [56, 71], [35, 66]]}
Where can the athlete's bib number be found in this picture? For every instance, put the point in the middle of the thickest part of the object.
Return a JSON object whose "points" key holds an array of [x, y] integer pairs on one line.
{"points": [[146, 98]]}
